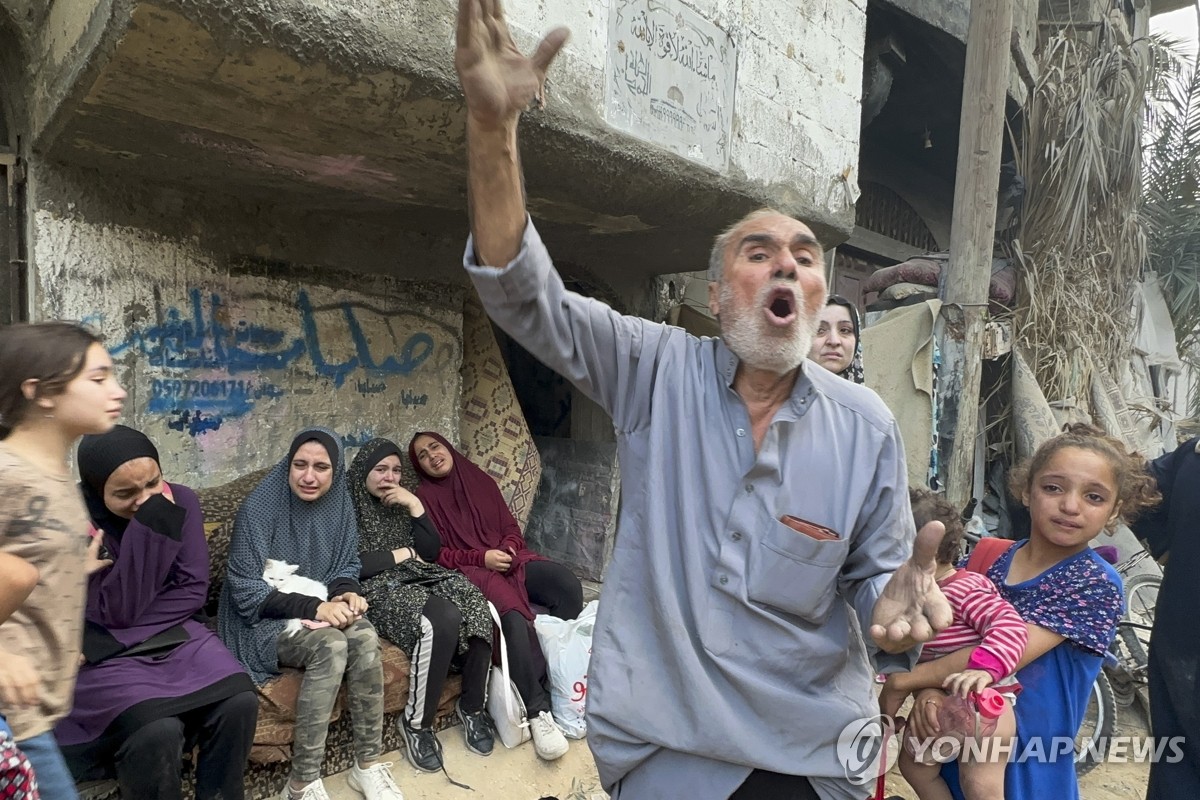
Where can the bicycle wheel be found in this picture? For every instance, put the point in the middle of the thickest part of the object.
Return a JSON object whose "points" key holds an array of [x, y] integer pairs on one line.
{"points": [[1141, 596], [1092, 739]]}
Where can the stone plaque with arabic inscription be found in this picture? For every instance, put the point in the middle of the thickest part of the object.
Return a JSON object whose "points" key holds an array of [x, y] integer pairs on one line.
{"points": [[670, 76]]}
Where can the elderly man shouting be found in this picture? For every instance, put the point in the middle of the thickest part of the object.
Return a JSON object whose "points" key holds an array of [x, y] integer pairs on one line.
{"points": [[763, 500]]}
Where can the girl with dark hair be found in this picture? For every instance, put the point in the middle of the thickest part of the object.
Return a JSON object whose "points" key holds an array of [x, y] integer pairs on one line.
{"points": [[156, 682], [837, 345], [301, 514], [56, 384], [433, 614], [482, 540]]}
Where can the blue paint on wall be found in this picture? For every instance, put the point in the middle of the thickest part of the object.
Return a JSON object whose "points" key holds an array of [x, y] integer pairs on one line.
{"points": [[195, 423], [358, 438], [195, 340]]}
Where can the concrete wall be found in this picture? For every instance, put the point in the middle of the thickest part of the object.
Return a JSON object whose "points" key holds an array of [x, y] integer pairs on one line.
{"points": [[261, 202], [574, 516], [357, 104], [225, 359]]}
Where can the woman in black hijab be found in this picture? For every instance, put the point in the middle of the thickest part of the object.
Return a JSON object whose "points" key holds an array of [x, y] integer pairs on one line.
{"points": [[155, 681], [433, 614]]}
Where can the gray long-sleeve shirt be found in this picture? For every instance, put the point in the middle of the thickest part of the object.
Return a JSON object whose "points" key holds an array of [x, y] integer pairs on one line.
{"points": [[725, 640]]}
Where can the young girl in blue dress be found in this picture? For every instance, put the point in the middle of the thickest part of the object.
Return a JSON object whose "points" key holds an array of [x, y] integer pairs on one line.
{"points": [[1075, 486]]}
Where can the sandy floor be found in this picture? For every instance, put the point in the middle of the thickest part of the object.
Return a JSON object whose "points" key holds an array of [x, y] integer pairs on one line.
{"points": [[509, 774], [519, 774], [1107, 781]]}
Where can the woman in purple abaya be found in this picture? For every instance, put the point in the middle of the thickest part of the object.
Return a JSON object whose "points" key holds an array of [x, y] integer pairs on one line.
{"points": [[155, 681]]}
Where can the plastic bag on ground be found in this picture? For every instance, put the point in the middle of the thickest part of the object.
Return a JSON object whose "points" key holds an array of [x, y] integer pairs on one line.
{"points": [[567, 644]]}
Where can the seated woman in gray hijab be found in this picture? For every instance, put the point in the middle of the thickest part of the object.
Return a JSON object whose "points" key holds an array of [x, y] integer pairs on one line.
{"points": [[434, 614], [301, 515]]}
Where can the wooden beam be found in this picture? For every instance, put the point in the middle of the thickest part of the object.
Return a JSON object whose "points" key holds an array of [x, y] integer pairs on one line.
{"points": [[977, 180], [1025, 68], [876, 243]]}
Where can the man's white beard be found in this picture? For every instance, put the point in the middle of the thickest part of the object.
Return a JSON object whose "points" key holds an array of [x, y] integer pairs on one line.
{"points": [[758, 345]]}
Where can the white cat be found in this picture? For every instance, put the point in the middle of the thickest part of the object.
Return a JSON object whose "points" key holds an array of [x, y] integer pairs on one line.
{"points": [[282, 576]]}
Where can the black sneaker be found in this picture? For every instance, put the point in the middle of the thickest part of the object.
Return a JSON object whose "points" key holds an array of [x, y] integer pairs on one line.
{"points": [[422, 747], [477, 731]]}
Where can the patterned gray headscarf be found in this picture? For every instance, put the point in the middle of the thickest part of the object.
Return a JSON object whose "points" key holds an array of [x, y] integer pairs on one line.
{"points": [[397, 596], [320, 536], [380, 527]]}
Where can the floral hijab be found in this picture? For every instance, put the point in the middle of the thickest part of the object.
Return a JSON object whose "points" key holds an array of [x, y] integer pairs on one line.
{"points": [[380, 527]]}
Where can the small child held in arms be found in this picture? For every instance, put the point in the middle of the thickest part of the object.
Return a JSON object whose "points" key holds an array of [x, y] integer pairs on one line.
{"points": [[982, 619]]}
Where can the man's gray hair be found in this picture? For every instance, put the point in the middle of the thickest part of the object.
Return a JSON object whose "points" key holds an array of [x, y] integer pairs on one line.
{"points": [[716, 258]]}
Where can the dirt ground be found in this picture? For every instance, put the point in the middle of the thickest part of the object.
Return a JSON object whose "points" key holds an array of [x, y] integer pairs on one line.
{"points": [[504, 775], [1107, 781], [519, 774]]}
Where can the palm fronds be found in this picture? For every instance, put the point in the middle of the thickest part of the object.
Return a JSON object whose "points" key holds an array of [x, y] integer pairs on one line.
{"points": [[1084, 243], [1171, 185]]}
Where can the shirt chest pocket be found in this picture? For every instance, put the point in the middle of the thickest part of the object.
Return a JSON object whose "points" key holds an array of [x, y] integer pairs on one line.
{"points": [[796, 573]]}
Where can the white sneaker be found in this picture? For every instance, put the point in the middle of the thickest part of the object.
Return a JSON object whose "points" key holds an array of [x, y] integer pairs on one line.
{"points": [[375, 783], [548, 740], [314, 791]]}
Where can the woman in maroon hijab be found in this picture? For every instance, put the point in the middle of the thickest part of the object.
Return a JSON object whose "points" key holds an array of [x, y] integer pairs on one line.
{"points": [[482, 540]]}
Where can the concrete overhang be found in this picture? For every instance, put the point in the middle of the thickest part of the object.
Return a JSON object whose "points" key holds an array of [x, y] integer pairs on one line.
{"points": [[355, 110], [1163, 6]]}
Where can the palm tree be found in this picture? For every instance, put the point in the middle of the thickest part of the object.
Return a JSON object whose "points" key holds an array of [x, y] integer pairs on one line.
{"points": [[1171, 185]]}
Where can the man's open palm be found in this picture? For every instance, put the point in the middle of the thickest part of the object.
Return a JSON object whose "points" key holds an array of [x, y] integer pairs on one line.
{"points": [[499, 82], [912, 608]]}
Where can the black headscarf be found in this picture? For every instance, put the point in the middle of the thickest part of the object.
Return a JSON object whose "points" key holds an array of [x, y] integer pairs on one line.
{"points": [[99, 456]]}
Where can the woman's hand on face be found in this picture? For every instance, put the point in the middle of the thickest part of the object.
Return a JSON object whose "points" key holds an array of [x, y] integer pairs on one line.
{"points": [[399, 496], [497, 560], [336, 613], [357, 603], [166, 491]]}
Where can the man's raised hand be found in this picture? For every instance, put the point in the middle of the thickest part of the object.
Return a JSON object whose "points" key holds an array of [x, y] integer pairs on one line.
{"points": [[499, 82], [912, 608]]}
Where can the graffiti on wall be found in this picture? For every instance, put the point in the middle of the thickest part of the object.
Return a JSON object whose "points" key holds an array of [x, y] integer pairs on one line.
{"points": [[214, 363]]}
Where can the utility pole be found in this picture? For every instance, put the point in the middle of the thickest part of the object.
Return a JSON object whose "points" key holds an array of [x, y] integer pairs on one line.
{"points": [[973, 228]]}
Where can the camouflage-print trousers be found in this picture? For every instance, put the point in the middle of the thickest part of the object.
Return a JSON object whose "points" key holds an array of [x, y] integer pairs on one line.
{"points": [[327, 656]]}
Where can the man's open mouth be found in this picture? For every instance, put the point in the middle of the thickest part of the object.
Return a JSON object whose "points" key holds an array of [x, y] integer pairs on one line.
{"points": [[780, 308]]}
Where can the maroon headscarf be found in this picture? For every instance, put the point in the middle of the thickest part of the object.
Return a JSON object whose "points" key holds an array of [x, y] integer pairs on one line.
{"points": [[469, 512], [466, 504]]}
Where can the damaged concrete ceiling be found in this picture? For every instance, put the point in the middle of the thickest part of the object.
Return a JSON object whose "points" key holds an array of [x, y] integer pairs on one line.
{"points": [[306, 104]]}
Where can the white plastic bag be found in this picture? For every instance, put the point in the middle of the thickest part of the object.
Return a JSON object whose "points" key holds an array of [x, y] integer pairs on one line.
{"points": [[567, 645]]}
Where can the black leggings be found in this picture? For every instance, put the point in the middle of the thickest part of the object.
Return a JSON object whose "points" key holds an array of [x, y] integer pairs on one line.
{"points": [[763, 785], [431, 659], [553, 587], [148, 762]]}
